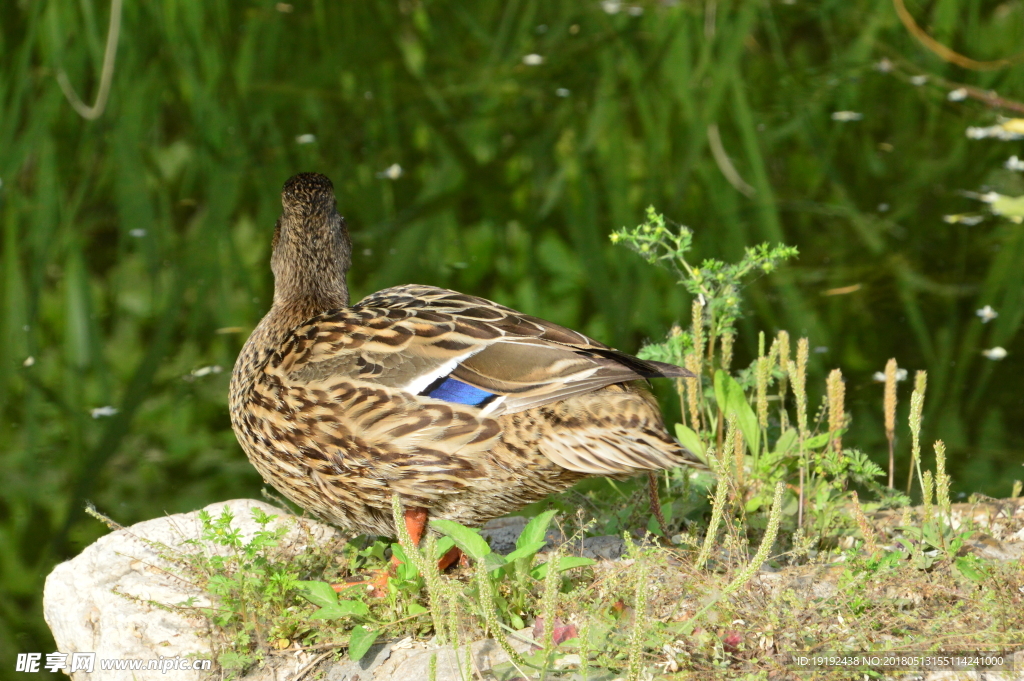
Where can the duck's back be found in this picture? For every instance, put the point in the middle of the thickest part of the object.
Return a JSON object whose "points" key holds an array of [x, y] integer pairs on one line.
{"points": [[461, 406]]}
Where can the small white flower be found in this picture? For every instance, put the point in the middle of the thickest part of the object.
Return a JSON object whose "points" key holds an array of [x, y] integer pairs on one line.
{"points": [[29, 361], [879, 376], [533, 60], [103, 411], [957, 95], [206, 371], [990, 197], [1006, 131], [846, 116], [918, 80], [963, 219], [392, 172], [987, 314], [1014, 163], [997, 353], [137, 233], [883, 66], [564, 92], [308, 138], [611, 6]]}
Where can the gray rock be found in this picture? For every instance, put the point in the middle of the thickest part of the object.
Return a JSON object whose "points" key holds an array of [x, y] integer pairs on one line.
{"points": [[362, 670], [502, 533], [106, 600], [415, 663], [609, 547]]}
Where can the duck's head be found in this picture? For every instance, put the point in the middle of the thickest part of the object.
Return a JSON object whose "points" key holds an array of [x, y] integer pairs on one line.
{"points": [[312, 249]]}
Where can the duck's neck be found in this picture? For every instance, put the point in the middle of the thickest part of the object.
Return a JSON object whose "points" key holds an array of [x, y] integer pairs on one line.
{"points": [[310, 264]]}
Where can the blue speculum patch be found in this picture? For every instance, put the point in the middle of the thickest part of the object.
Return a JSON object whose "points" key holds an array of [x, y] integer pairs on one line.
{"points": [[451, 390]]}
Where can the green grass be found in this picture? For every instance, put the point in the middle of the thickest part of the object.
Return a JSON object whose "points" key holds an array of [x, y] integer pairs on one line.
{"points": [[508, 191]]}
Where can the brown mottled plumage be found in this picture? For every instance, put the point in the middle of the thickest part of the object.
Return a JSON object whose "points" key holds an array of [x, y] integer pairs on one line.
{"points": [[339, 407]]}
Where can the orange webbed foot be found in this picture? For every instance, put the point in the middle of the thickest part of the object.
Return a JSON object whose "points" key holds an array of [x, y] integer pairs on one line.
{"points": [[415, 524]]}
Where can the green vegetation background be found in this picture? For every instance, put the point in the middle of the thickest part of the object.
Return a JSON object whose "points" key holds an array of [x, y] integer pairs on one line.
{"points": [[135, 247]]}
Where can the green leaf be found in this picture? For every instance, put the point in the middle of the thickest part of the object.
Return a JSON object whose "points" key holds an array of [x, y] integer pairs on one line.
{"points": [[470, 541], [360, 641], [720, 392], [415, 609], [444, 545], [535, 530], [525, 551], [318, 593], [785, 441], [689, 439], [398, 552], [566, 563], [735, 402], [971, 568], [819, 440], [494, 561], [342, 609], [406, 569]]}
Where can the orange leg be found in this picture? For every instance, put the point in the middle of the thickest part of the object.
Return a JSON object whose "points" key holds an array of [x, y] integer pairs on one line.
{"points": [[415, 524], [454, 554]]}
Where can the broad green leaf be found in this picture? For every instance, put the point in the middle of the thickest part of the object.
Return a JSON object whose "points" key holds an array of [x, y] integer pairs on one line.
{"points": [[415, 609], [360, 641], [407, 569], [535, 530], [689, 439], [566, 563], [785, 441], [971, 568], [342, 609], [736, 403], [470, 541], [819, 440], [720, 392], [399, 552], [494, 561], [318, 593], [444, 545], [525, 551]]}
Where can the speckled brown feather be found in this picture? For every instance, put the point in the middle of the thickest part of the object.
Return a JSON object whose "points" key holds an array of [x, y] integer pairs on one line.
{"points": [[324, 396]]}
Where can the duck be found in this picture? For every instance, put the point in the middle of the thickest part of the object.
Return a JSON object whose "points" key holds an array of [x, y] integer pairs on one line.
{"points": [[466, 409]]}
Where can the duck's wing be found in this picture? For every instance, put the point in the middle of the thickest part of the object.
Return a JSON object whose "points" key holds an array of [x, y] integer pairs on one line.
{"points": [[440, 344]]}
